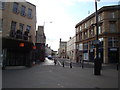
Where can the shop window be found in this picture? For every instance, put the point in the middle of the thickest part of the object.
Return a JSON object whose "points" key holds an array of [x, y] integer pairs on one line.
{"points": [[113, 42], [1, 24]]}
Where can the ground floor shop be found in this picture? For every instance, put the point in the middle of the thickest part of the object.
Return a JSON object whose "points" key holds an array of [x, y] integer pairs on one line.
{"points": [[108, 50]]}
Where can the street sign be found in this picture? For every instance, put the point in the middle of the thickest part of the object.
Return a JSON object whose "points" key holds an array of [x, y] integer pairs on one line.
{"points": [[96, 42]]}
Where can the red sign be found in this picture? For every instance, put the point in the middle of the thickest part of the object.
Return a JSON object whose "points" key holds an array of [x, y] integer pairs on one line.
{"points": [[21, 45], [34, 47]]}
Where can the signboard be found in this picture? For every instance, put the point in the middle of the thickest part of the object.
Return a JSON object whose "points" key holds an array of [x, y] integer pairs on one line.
{"points": [[85, 56], [113, 49]]}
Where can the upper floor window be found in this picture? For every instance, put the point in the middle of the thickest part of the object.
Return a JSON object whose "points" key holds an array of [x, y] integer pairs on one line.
{"points": [[91, 21], [112, 27], [99, 17], [21, 26], [112, 15], [15, 7], [2, 5], [28, 28], [13, 25], [29, 13], [80, 28], [100, 29], [85, 25], [23, 10]]}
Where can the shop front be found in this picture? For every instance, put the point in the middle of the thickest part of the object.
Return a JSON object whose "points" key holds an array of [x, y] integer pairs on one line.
{"points": [[113, 55], [16, 52]]}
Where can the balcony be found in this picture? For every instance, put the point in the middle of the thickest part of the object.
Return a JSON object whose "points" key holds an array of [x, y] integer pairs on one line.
{"points": [[19, 35]]}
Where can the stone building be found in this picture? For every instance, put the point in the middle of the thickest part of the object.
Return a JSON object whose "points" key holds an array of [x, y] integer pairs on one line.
{"points": [[109, 35], [18, 32], [71, 48], [62, 51]]}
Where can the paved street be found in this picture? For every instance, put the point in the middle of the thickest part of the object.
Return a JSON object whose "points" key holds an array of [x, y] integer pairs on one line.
{"points": [[47, 75]]}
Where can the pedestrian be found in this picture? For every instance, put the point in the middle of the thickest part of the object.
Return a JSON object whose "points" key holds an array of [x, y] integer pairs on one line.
{"points": [[55, 61], [70, 64]]}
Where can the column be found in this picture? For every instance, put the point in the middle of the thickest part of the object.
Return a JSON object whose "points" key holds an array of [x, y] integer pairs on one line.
{"points": [[105, 50]]}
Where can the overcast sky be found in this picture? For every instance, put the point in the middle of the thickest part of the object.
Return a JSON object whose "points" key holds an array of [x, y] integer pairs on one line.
{"points": [[64, 14]]}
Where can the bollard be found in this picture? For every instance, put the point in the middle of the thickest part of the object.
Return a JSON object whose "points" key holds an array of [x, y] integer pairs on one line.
{"points": [[63, 64], [70, 64], [117, 66], [82, 64]]}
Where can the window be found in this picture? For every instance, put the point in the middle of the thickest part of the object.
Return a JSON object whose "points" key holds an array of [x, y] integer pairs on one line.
{"points": [[80, 28], [1, 23], [15, 7], [99, 17], [29, 13], [81, 46], [91, 21], [23, 10], [21, 26], [113, 42], [112, 27], [100, 29], [85, 46], [28, 28], [13, 25], [85, 25], [2, 5], [112, 15]]}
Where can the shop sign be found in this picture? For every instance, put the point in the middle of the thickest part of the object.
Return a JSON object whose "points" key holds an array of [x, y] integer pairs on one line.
{"points": [[113, 49]]}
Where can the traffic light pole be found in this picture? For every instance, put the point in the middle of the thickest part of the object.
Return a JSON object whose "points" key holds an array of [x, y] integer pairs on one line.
{"points": [[97, 63]]}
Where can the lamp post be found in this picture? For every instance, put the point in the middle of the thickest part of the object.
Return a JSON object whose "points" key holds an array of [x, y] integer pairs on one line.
{"points": [[97, 62]]}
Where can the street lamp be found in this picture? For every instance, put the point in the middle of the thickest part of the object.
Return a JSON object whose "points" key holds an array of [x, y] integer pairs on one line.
{"points": [[97, 62]]}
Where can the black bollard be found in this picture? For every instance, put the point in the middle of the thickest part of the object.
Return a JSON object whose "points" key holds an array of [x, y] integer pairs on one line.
{"points": [[117, 66], [63, 64], [82, 64], [70, 64]]}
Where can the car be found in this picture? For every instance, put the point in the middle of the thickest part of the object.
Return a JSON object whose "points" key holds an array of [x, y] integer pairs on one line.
{"points": [[50, 57]]}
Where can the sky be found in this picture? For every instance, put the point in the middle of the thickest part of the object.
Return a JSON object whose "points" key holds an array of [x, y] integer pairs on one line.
{"points": [[64, 15]]}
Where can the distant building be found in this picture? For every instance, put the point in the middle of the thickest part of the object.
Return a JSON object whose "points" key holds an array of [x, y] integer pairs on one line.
{"points": [[109, 35], [62, 49], [48, 50], [71, 48], [40, 43], [40, 35]]}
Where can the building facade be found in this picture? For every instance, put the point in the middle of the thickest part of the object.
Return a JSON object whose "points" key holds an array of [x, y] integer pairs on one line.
{"points": [[48, 50], [109, 35], [18, 32], [40, 44], [62, 51], [71, 48], [19, 18]]}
